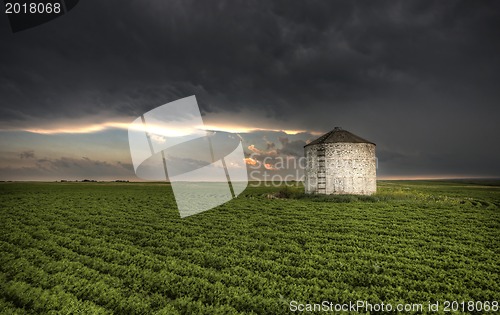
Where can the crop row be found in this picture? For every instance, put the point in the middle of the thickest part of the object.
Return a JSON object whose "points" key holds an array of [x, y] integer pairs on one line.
{"points": [[93, 250]]}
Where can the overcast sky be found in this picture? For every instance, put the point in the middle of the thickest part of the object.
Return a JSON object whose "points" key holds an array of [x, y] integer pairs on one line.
{"points": [[418, 78]]}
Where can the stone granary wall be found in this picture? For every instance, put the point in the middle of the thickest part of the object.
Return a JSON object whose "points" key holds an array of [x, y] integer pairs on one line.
{"points": [[341, 167]]}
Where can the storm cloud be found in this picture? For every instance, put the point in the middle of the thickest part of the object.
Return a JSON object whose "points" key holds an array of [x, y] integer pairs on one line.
{"points": [[418, 78]]}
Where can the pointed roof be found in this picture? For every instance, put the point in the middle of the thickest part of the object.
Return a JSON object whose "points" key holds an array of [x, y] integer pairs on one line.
{"points": [[338, 135]]}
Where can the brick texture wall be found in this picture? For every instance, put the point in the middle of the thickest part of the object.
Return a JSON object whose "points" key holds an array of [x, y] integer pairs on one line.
{"points": [[341, 168]]}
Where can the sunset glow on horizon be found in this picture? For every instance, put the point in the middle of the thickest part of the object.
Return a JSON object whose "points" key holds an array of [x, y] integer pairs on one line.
{"points": [[92, 128]]}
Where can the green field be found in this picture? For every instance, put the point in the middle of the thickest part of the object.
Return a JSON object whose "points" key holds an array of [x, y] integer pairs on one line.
{"points": [[103, 248]]}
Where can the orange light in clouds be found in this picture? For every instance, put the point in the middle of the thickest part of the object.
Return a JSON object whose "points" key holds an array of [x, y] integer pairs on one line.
{"points": [[240, 129], [112, 125], [76, 128], [80, 129], [269, 166], [251, 161]]}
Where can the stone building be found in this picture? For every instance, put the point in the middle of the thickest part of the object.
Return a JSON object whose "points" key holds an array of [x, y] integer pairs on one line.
{"points": [[340, 162]]}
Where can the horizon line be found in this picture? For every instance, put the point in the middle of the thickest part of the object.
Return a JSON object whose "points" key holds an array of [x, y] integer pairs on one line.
{"points": [[262, 181]]}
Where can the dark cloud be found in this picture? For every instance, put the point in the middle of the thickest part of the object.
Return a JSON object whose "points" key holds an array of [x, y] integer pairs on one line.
{"points": [[412, 76], [292, 148], [68, 168], [27, 154], [270, 145]]}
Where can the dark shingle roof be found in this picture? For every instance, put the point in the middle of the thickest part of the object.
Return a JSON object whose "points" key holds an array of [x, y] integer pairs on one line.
{"points": [[338, 135]]}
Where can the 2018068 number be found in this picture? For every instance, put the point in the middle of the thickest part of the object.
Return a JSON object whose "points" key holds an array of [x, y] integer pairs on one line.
{"points": [[32, 8]]}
